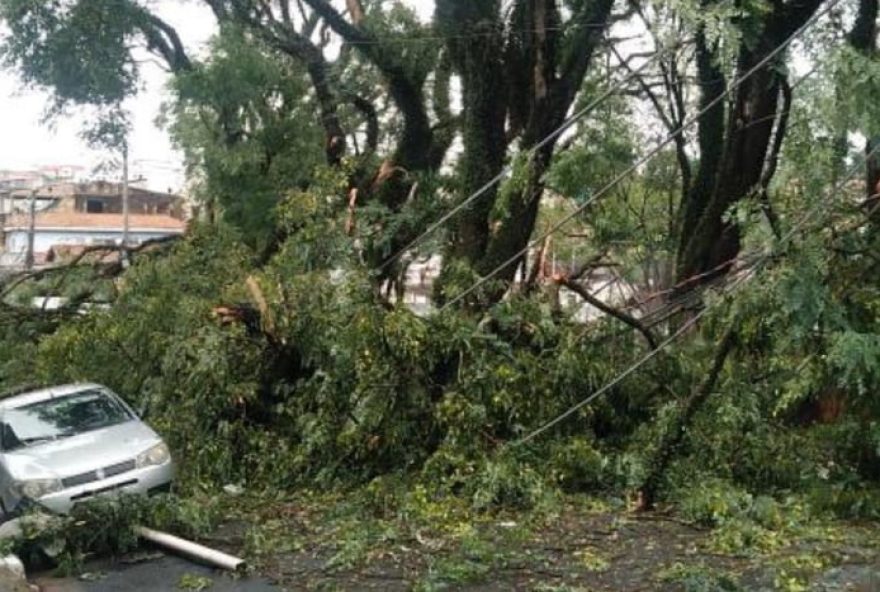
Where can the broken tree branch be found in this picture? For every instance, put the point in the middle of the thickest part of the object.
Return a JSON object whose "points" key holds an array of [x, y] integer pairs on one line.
{"points": [[17, 280], [609, 310]]}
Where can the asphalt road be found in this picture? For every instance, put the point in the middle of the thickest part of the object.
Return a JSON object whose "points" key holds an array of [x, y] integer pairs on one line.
{"points": [[158, 573]]}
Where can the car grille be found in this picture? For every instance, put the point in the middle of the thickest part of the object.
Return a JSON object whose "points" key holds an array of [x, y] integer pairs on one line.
{"points": [[88, 494], [119, 468], [108, 471]]}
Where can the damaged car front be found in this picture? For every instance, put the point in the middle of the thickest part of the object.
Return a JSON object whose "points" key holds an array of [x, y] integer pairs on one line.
{"points": [[65, 445]]}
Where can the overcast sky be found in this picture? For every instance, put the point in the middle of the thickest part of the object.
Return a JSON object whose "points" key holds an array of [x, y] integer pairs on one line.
{"points": [[26, 142]]}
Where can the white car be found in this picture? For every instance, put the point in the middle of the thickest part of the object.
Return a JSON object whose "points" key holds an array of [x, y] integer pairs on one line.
{"points": [[67, 444]]}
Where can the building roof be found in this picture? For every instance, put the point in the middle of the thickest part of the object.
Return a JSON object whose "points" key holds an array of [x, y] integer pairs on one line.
{"points": [[104, 189], [83, 221]]}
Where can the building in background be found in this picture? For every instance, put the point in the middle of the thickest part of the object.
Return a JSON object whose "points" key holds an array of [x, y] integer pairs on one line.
{"points": [[61, 235], [12, 180], [28, 180], [71, 215], [94, 197]]}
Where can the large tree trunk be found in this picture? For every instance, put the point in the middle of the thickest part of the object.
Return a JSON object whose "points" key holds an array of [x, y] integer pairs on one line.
{"points": [[512, 233], [479, 60], [710, 138], [530, 83], [714, 242], [555, 76], [709, 243]]}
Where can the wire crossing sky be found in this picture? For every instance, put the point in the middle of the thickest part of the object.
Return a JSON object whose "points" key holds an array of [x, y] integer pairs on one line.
{"points": [[647, 157], [749, 273]]}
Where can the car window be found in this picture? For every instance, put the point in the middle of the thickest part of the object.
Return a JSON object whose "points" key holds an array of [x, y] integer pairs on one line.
{"points": [[60, 417]]}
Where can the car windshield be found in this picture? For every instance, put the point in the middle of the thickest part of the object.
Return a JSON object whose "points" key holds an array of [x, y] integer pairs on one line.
{"points": [[60, 417]]}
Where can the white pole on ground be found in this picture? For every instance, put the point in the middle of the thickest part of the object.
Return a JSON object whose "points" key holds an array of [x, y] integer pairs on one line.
{"points": [[191, 549]]}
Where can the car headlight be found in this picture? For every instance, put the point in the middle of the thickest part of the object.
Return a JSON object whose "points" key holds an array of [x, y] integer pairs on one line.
{"points": [[37, 488], [157, 455]]}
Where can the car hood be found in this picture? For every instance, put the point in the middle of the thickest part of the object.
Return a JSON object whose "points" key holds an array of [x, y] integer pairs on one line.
{"points": [[81, 453]]}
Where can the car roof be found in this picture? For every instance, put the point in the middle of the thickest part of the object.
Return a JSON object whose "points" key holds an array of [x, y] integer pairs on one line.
{"points": [[43, 394]]}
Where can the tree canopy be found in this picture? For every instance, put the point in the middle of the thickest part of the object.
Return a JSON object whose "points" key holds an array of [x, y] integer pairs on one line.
{"points": [[669, 209]]}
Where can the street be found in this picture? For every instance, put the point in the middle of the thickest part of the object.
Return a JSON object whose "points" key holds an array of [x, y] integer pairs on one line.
{"points": [[154, 572]]}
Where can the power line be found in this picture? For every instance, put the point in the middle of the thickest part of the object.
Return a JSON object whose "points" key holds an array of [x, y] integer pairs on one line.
{"points": [[650, 155], [509, 168], [617, 380], [672, 304], [747, 274], [672, 307]]}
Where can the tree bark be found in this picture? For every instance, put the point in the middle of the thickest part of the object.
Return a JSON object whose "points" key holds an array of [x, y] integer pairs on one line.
{"points": [[708, 241], [556, 77], [716, 241], [164, 39], [543, 68], [772, 163], [710, 138], [414, 148], [476, 48]]}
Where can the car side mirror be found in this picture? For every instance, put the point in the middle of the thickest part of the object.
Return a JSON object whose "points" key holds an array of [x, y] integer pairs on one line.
{"points": [[8, 439]]}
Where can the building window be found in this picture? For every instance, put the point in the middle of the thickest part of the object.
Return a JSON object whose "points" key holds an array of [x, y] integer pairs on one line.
{"points": [[94, 206]]}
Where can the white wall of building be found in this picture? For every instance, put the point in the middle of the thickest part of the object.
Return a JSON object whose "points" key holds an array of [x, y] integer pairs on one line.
{"points": [[17, 240]]}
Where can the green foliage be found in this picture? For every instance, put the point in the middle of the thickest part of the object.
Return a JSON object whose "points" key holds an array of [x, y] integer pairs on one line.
{"points": [[715, 502], [242, 121], [859, 82], [194, 582], [18, 345], [327, 383], [606, 143], [579, 465], [77, 50], [159, 347], [505, 482], [855, 358], [513, 187], [108, 527], [159, 301], [699, 578]]}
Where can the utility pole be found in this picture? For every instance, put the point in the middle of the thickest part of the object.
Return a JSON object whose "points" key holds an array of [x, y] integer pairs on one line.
{"points": [[3, 217], [29, 255], [125, 193]]}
